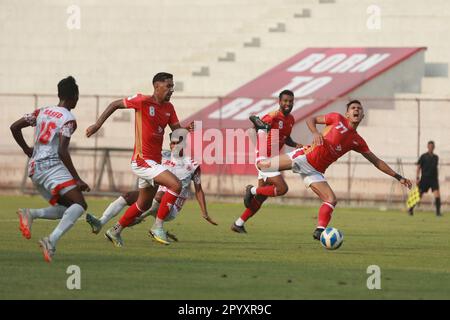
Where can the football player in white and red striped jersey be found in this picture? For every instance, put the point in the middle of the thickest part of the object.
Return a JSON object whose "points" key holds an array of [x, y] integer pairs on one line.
{"points": [[50, 166]]}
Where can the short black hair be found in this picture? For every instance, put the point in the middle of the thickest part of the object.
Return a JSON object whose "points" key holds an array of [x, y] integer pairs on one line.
{"points": [[431, 142], [67, 88], [162, 76], [285, 92], [353, 101]]}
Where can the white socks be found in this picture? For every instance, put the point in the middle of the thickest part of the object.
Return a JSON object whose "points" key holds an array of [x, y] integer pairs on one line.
{"points": [[239, 222], [158, 223], [113, 210], [52, 213], [69, 218], [172, 214], [116, 229]]}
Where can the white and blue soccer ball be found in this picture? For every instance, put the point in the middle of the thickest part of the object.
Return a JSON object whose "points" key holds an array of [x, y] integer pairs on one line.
{"points": [[331, 238]]}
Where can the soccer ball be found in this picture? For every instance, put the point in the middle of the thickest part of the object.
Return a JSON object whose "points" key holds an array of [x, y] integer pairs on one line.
{"points": [[331, 238]]}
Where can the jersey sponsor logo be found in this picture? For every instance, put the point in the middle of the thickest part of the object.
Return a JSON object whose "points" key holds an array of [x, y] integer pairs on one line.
{"points": [[341, 128], [132, 97]]}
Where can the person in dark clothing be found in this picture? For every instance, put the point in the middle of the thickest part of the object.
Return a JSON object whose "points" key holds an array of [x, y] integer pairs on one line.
{"points": [[427, 176]]}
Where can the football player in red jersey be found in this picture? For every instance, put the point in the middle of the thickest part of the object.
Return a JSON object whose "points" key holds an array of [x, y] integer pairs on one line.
{"points": [[338, 137], [152, 114], [270, 184]]}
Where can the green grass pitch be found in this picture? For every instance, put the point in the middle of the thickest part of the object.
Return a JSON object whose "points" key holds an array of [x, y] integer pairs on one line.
{"points": [[277, 259]]}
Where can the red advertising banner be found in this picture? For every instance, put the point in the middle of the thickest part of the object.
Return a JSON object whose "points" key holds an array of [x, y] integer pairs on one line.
{"points": [[317, 76]]}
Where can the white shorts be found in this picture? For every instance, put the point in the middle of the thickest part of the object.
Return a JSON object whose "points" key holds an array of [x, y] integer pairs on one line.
{"points": [[51, 180], [301, 166], [265, 174], [147, 172]]}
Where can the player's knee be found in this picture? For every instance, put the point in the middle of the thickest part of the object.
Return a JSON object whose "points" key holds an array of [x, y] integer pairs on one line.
{"points": [[282, 190], [128, 198], [263, 164], [331, 199], [83, 204], [176, 187]]}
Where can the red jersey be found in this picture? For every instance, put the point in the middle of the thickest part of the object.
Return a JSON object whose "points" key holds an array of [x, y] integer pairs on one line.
{"points": [[150, 120], [338, 139], [284, 124]]}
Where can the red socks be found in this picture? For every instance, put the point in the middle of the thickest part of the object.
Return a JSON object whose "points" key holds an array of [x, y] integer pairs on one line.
{"points": [[251, 211], [268, 191], [128, 217], [325, 211], [167, 201]]}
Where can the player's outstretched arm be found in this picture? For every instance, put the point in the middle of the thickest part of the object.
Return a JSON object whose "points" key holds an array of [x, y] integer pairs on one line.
{"points": [[311, 123], [113, 106], [384, 167], [200, 195], [16, 130], [63, 152], [190, 127]]}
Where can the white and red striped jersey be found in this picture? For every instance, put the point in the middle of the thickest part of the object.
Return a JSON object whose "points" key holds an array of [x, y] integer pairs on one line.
{"points": [[51, 123], [184, 168]]}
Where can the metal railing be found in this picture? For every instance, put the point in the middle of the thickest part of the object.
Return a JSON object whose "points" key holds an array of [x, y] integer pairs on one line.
{"points": [[104, 158]]}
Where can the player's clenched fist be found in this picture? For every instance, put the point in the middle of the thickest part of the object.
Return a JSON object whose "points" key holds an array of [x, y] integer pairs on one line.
{"points": [[91, 130], [191, 127], [406, 182]]}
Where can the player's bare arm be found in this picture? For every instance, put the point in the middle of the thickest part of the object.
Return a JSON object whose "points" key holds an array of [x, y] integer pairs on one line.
{"points": [[418, 174], [200, 195], [384, 167], [291, 143], [16, 130], [64, 155], [189, 127], [113, 106], [311, 123]]}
